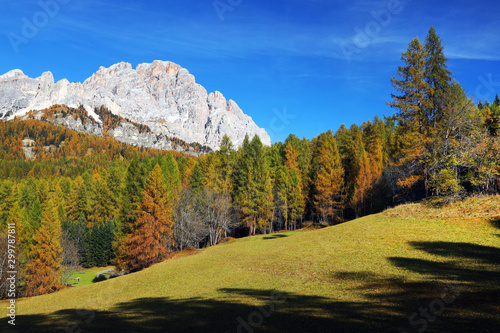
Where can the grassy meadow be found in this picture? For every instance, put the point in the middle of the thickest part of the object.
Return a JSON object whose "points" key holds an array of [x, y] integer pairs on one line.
{"points": [[427, 266]]}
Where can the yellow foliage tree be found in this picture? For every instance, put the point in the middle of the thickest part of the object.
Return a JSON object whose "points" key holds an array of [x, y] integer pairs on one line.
{"points": [[43, 269], [329, 179], [153, 230]]}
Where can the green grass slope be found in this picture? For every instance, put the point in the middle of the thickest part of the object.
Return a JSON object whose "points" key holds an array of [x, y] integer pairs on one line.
{"points": [[413, 268]]}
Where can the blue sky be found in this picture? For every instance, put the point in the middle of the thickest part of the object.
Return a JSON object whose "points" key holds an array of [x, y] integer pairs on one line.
{"points": [[295, 66]]}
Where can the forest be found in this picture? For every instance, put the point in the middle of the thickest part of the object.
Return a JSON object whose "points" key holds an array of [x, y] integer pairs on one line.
{"points": [[88, 201]]}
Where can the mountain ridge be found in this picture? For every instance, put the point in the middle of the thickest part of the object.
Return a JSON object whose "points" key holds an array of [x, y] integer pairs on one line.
{"points": [[162, 95]]}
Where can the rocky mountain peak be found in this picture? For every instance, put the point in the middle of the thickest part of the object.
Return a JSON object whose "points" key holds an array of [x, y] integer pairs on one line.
{"points": [[161, 95], [12, 75]]}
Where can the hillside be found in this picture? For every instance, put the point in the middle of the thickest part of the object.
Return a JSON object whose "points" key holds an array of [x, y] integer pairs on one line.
{"points": [[368, 275], [102, 122], [36, 148]]}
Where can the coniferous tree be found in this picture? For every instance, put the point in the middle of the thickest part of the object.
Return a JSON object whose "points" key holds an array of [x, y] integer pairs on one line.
{"points": [[364, 182], [113, 185], [99, 245], [413, 104], [492, 121], [304, 156], [183, 165], [31, 213], [171, 173], [44, 258], [376, 138], [329, 179], [349, 142], [280, 194], [42, 192], [131, 195], [295, 199], [152, 236], [252, 184], [223, 165], [129, 213], [78, 203], [7, 200], [496, 102], [261, 193], [196, 179], [437, 76], [100, 200]]}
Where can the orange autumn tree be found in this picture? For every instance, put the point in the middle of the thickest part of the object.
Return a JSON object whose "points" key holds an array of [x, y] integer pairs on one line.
{"points": [[364, 182], [153, 229], [43, 270], [328, 198]]}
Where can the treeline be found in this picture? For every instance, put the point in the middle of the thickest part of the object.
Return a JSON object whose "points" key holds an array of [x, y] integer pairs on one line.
{"points": [[132, 207]]}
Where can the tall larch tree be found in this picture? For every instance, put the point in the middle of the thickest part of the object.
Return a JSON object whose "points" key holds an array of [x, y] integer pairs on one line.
{"points": [[252, 185], [196, 179], [349, 141], [101, 210], [224, 165], [113, 183], [364, 182], [78, 203], [44, 258], [280, 192], [152, 236], [7, 200], [31, 212], [171, 174], [262, 193], [132, 194], [329, 178], [131, 200], [243, 180], [295, 199]]}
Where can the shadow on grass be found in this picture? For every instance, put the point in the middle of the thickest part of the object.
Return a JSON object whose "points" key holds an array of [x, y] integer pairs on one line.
{"points": [[469, 272], [459, 291], [386, 304], [496, 223], [274, 236], [99, 278], [484, 254], [290, 313]]}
